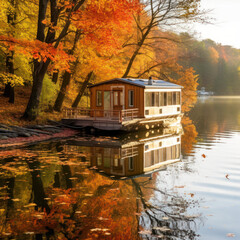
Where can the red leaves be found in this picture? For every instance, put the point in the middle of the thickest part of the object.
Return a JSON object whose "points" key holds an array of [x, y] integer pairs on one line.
{"points": [[102, 21]]}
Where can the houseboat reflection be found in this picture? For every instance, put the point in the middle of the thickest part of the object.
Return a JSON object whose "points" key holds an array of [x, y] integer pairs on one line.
{"points": [[135, 154]]}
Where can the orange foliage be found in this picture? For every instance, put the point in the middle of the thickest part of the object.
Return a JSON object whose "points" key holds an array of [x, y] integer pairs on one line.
{"points": [[188, 80], [101, 21], [39, 50]]}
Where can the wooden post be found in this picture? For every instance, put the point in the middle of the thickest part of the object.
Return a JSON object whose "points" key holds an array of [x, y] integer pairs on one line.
{"points": [[121, 116]]}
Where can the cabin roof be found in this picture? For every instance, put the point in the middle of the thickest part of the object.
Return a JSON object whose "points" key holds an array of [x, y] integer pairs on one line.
{"points": [[141, 83]]}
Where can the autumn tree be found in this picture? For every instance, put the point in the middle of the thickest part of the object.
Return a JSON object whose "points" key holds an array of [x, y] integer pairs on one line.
{"points": [[160, 14], [103, 23], [14, 18]]}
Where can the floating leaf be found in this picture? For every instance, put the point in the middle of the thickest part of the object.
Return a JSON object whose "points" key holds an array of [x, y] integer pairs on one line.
{"points": [[145, 232], [179, 186], [162, 229], [230, 235]]}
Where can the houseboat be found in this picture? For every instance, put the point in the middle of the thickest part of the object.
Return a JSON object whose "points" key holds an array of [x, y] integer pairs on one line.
{"points": [[129, 104]]}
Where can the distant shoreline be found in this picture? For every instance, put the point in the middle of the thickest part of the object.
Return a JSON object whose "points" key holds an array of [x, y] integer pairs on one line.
{"points": [[237, 97]]}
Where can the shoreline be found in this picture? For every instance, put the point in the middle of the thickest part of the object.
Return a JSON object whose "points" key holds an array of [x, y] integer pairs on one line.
{"points": [[22, 141]]}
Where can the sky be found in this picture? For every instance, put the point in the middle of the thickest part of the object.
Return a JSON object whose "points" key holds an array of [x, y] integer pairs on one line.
{"points": [[226, 26]]}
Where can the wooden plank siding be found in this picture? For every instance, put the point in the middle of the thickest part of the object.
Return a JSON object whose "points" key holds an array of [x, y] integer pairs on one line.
{"points": [[138, 96]]}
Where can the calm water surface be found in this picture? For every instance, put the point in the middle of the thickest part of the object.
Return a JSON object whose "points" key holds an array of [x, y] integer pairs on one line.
{"points": [[122, 187]]}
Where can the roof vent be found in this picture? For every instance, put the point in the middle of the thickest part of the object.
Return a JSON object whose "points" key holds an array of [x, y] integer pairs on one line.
{"points": [[150, 82]]}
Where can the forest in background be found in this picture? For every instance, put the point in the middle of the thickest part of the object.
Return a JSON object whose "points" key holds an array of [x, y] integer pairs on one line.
{"points": [[217, 65], [57, 48]]}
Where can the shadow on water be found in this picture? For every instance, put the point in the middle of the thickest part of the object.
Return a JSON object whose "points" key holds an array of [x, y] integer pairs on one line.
{"points": [[95, 187]]}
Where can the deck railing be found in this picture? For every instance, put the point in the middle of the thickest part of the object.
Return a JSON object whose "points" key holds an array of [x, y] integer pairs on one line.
{"points": [[115, 115]]}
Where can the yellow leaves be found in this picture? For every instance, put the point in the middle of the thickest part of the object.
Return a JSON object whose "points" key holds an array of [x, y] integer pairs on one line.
{"points": [[13, 79]]}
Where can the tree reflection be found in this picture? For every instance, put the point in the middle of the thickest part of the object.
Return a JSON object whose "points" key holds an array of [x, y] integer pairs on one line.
{"points": [[164, 215], [61, 198], [189, 136]]}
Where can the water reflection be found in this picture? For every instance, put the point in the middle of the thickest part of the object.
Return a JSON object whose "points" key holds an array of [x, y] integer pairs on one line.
{"points": [[133, 154], [65, 190]]}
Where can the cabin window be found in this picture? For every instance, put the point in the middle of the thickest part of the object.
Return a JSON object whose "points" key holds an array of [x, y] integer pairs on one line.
{"points": [[169, 153], [161, 99], [152, 99], [165, 99], [178, 98], [130, 98], [118, 98], [107, 157], [130, 163], [99, 98], [169, 98], [178, 151], [174, 98], [148, 96], [156, 99], [115, 162], [115, 98], [99, 159], [174, 152], [156, 156], [121, 98]]}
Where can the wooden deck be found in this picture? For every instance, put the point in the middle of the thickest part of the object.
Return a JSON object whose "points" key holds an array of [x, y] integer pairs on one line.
{"points": [[101, 119], [126, 120], [95, 114]]}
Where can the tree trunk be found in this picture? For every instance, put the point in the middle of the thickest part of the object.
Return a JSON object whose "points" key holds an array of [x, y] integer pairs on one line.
{"points": [[7, 90], [55, 77], [40, 70], [66, 77], [61, 95], [11, 18], [82, 89], [37, 186]]}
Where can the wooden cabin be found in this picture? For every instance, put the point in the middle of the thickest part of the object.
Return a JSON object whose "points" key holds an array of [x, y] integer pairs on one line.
{"points": [[127, 104]]}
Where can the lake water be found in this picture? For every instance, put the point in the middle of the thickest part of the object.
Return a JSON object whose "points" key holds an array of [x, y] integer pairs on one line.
{"points": [[178, 183]]}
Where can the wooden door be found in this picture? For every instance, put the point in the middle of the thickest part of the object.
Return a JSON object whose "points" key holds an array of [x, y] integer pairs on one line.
{"points": [[106, 103], [117, 102]]}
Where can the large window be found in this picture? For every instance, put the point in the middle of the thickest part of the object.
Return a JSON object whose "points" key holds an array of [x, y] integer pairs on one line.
{"points": [[170, 98], [165, 99], [130, 98], [178, 98], [156, 99], [174, 98], [152, 99], [99, 98]]}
